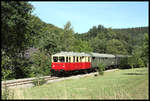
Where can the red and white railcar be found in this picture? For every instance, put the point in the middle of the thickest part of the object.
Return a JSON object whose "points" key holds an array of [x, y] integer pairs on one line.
{"points": [[70, 61]]}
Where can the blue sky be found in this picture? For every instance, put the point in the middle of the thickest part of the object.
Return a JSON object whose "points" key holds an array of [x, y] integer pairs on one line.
{"points": [[85, 15]]}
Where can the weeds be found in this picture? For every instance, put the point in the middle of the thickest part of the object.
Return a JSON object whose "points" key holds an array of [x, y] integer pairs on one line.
{"points": [[7, 93], [39, 81], [101, 68]]}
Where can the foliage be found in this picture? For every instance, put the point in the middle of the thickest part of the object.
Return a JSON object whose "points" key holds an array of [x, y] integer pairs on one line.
{"points": [[137, 59], [82, 46], [39, 81], [22, 68], [49, 41], [41, 63], [132, 62], [18, 67], [16, 36], [127, 39], [126, 62], [46, 37], [101, 68], [145, 51], [6, 65], [16, 32], [7, 93], [67, 37], [141, 63], [98, 45], [115, 46]]}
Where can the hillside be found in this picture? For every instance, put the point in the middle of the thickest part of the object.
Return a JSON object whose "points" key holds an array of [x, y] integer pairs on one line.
{"points": [[127, 37]]}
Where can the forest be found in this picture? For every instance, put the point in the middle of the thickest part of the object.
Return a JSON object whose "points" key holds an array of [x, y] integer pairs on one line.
{"points": [[21, 31]]}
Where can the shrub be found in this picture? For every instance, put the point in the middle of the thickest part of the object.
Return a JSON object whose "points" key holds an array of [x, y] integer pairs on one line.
{"points": [[7, 93], [39, 81], [14, 67], [125, 63], [41, 64], [141, 63], [101, 68]]}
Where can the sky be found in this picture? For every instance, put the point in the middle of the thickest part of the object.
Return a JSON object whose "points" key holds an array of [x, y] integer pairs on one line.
{"points": [[85, 15]]}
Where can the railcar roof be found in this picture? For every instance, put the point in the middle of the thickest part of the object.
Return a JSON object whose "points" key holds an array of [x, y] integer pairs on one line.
{"points": [[71, 54], [102, 55], [122, 55], [89, 54]]}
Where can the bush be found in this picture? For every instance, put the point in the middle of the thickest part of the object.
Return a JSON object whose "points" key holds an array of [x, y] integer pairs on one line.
{"points": [[124, 63], [14, 67], [6, 66], [7, 93], [39, 81], [41, 64], [101, 68], [141, 63]]}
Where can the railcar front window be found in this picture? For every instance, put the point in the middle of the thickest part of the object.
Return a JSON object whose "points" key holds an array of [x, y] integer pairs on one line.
{"points": [[61, 59], [55, 59]]}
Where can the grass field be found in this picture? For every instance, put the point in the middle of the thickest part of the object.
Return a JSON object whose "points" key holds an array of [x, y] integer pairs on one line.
{"points": [[120, 84]]}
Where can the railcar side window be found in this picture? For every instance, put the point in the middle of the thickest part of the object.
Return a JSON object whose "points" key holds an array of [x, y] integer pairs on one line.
{"points": [[55, 59], [93, 58], [61, 59], [74, 59], [69, 59], [66, 59], [77, 59], [80, 59], [88, 59]]}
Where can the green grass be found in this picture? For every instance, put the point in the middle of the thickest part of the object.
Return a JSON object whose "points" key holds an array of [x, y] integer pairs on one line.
{"points": [[121, 84]]}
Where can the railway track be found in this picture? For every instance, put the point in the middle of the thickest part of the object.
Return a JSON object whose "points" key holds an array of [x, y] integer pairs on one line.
{"points": [[28, 81]]}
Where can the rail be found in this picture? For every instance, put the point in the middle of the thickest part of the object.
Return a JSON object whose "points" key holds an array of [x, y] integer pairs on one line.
{"points": [[12, 83]]}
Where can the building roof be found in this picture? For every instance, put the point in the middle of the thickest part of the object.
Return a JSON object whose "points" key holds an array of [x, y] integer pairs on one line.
{"points": [[29, 52]]}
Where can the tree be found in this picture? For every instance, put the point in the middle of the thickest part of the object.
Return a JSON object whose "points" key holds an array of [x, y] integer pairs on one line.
{"points": [[41, 64], [16, 34], [98, 45], [145, 51], [38, 28], [49, 41], [67, 38], [115, 46], [135, 60], [82, 46]]}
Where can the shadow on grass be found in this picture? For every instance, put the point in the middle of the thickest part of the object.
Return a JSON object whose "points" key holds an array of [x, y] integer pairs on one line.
{"points": [[134, 73]]}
